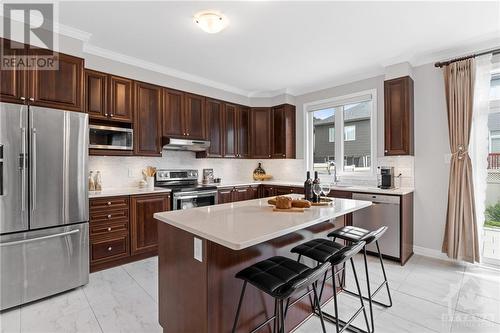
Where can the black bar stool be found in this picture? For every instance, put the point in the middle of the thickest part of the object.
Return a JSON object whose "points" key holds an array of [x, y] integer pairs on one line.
{"points": [[280, 278], [354, 235], [324, 250]]}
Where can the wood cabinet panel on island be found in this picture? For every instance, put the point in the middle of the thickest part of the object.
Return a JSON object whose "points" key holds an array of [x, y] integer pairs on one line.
{"points": [[122, 229]]}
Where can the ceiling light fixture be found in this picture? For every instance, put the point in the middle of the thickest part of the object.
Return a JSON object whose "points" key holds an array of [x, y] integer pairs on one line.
{"points": [[211, 21]]}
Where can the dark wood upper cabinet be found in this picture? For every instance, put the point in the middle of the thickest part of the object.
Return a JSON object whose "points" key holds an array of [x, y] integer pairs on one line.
{"points": [[147, 123], [214, 110], [61, 88], [12, 82], [283, 131], [143, 228], [260, 135], [120, 99], [96, 94], [194, 117], [173, 109], [243, 131], [398, 116], [230, 130]]}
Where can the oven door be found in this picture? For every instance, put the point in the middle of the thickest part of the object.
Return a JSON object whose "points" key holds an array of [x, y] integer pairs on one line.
{"points": [[185, 200]]}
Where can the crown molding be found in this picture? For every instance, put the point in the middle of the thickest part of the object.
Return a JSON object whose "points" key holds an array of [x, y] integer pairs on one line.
{"points": [[133, 61]]}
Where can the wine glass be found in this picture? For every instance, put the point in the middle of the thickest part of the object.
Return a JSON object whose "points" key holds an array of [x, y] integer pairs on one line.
{"points": [[317, 190], [325, 188]]}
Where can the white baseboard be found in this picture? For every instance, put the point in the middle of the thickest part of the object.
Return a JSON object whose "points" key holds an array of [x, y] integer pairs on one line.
{"points": [[426, 252]]}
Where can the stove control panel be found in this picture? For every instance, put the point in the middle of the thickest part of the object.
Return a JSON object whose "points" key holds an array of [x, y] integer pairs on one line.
{"points": [[163, 175]]}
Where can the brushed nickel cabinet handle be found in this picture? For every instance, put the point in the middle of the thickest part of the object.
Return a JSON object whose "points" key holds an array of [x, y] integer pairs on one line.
{"points": [[109, 203], [109, 216], [109, 229]]}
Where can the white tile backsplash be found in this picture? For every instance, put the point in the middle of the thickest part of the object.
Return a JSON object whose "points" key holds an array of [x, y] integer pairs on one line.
{"points": [[121, 171]]}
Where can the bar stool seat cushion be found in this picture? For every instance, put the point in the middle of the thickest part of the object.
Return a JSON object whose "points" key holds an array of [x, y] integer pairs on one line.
{"points": [[276, 276], [318, 249], [356, 234]]}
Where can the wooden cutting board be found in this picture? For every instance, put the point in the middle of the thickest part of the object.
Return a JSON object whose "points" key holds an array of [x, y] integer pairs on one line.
{"points": [[290, 210]]}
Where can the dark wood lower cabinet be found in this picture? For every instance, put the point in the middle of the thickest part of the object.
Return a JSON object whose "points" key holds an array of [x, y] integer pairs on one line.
{"points": [[122, 229], [143, 227], [238, 193]]}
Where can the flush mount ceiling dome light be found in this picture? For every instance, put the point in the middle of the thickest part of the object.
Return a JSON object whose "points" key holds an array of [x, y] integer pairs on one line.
{"points": [[211, 21]]}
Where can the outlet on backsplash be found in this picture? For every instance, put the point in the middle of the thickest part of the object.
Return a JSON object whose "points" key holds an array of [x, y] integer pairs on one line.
{"points": [[131, 173]]}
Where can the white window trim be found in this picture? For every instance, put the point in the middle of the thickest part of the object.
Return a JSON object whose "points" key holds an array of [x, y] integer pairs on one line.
{"points": [[332, 102], [345, 136], [329, 131]]}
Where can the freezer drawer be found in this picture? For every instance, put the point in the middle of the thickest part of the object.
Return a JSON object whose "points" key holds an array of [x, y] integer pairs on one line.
{"points": [[384, 211], [41, 263]]}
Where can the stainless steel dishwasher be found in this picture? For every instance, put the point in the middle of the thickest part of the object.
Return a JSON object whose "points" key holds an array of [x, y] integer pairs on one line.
{"points": [[384, 211]]}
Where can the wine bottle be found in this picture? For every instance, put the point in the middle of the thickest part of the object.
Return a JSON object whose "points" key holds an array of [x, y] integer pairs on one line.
{"points": [[308, 193], [315, 198]]}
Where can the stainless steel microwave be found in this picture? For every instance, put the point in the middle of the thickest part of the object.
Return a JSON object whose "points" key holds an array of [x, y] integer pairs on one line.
{"points": [[108, 137]]}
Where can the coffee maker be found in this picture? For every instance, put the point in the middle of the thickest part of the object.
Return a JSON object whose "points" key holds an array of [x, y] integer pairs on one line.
{"points": [[386, 177]]}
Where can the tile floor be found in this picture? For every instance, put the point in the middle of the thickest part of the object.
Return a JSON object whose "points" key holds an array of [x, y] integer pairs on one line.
{"points": [[429, 295]]}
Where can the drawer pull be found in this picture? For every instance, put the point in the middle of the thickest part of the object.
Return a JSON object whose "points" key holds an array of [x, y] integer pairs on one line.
{"points": [[109, 229], [109, 203], [109, 216], [110, 248]]}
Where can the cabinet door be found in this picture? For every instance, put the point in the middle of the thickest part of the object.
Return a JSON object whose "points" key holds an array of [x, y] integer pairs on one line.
{"points": [[96, 89], [143, 228], [268, 191], [252, 192], [214, 127], [283, 131], [241, 193], [60, 89], [243, 130], [194, 117], [173, 109], [12, 82], [120, 99], [261, 133], [398, 116], [225, 195], [147, 124], [230, 133]]}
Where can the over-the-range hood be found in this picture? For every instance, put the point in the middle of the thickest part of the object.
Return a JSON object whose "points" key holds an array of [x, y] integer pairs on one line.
{"points": [[185, 144]]}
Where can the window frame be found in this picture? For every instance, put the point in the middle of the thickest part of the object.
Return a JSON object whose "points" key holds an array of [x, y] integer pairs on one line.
{"points": [[330, 134], [333, 102], [354, 131]]}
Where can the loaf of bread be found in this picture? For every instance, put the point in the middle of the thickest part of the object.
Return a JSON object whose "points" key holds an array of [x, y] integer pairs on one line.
{"points": [[301, 203], [283, 202]]}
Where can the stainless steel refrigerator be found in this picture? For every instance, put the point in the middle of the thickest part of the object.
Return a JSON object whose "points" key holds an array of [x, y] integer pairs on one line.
{"points": [[43, 202]]}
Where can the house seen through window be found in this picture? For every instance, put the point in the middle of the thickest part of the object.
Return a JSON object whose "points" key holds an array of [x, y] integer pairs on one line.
{"points": [[349, 148]]}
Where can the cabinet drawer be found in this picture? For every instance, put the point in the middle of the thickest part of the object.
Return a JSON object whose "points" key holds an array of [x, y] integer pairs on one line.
{"points": [[108, 203], [108, 215], [107, 228], [114, 246]]}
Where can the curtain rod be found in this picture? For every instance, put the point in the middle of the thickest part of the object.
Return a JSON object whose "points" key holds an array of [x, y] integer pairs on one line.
{"points": [[445, 63]]}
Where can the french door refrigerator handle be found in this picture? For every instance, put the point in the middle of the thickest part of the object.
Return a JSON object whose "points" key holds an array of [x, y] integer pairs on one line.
{"points": [[23, 241], [33, 168], [22, 166]]}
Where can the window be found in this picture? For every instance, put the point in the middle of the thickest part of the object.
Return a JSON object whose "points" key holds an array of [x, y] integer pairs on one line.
{"points": [[350, 133], [331, 134], [351, 148], [495, 139]]}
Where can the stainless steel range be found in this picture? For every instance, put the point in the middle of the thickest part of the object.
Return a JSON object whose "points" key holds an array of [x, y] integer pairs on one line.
{"points": [[186, 191]]}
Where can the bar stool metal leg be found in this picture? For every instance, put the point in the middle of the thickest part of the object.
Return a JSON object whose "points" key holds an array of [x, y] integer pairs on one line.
{"points": [[370, 301], [335, 307], [239, 306], [316, 299], [360, 295], [386, 282]]}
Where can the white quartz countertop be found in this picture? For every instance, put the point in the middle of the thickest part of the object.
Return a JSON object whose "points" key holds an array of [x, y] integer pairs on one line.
{"points": [[350, 188], [111, 192], [246, 223]]}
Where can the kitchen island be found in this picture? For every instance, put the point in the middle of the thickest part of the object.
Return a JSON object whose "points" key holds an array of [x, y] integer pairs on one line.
{"points": [[201, 249]]}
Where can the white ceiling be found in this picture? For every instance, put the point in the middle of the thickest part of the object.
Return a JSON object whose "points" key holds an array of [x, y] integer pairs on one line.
{"points": [[281, 46]]}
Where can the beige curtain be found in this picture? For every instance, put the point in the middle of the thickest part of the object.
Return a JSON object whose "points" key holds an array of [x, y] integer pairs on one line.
{"points": [[460, 238]]}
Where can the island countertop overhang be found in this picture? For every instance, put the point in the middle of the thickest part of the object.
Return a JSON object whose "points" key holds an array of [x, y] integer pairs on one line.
{"points": [[243, 224]]}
